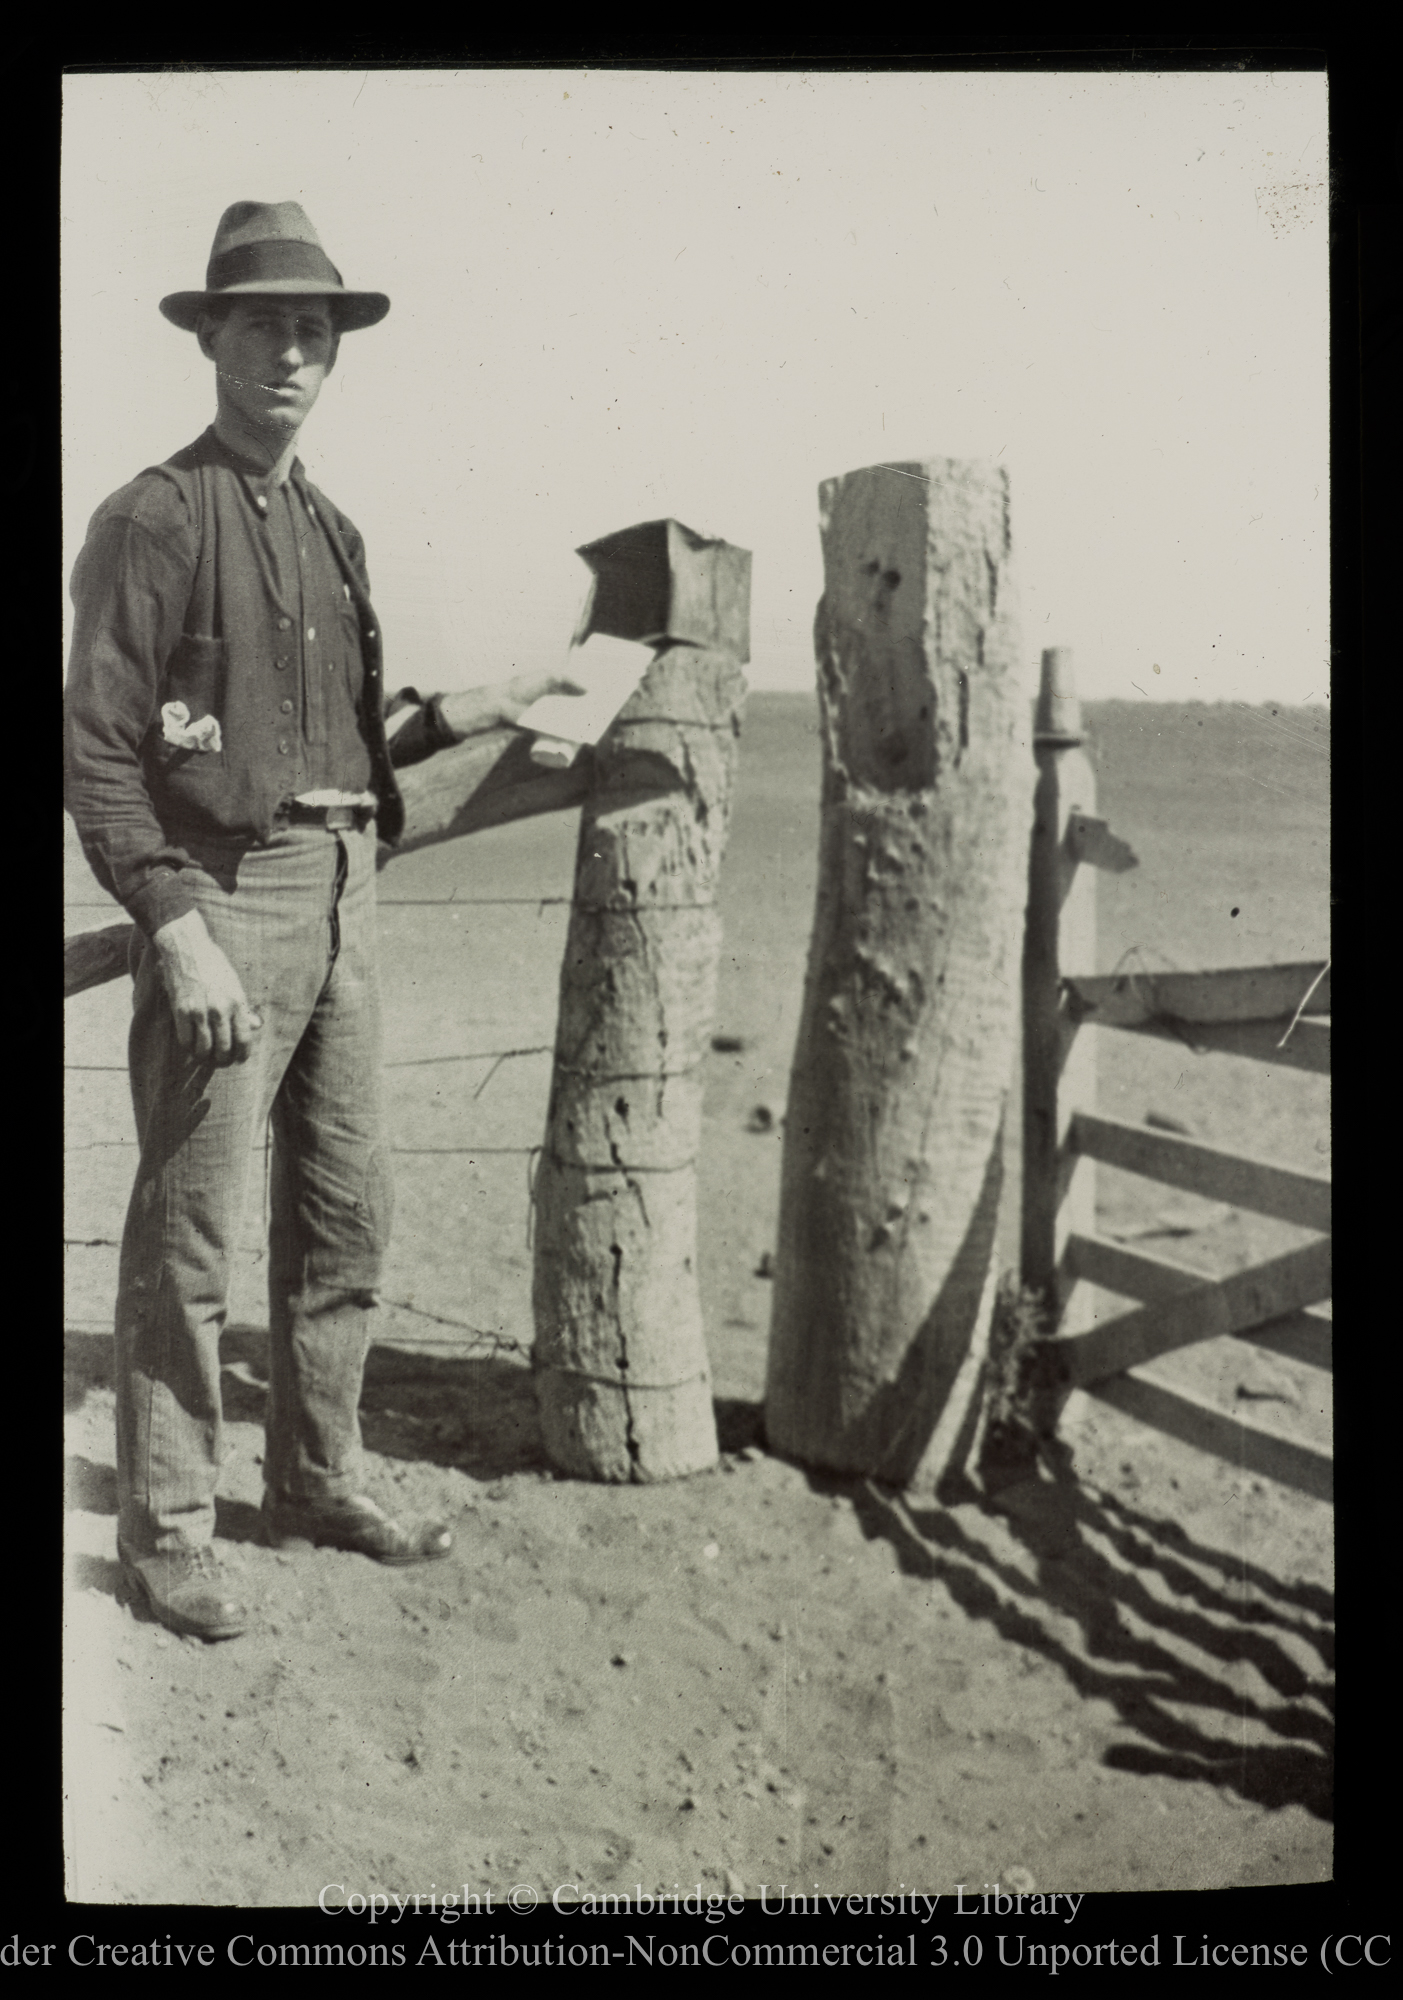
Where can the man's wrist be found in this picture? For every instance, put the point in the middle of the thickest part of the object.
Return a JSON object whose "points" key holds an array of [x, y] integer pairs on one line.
{"points": [[161, 899], [442, 735], [182, 936]]}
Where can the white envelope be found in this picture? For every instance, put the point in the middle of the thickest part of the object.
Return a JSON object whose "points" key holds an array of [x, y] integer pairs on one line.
{"points": [[609, 670]]}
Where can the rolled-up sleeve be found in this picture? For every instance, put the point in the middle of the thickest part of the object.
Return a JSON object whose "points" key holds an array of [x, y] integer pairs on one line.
{"points": [[415, 728], [130, 588]]}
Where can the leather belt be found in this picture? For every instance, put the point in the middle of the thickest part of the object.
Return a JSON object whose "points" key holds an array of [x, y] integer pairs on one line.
{"points": [[335, 818]]}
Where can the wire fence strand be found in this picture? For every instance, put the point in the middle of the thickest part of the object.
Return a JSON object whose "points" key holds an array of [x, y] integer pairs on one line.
{"points": [[493, 1056], [464, 1333]]}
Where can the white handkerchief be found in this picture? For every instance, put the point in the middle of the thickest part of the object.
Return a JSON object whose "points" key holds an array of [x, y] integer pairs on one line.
{"points": [[177, 728]]}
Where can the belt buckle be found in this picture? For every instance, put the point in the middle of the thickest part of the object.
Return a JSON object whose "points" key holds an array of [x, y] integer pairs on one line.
{"points": [[340, 817]]}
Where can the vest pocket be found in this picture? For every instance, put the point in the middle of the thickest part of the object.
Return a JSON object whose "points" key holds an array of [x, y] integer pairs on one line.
{"points": [[195, 675]]}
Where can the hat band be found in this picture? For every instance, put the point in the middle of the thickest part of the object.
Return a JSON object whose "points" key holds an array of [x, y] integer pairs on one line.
{"points": [[248, 263]]}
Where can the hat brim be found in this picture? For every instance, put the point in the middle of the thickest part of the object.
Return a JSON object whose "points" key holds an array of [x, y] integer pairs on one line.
{"points": [[350, 310]]}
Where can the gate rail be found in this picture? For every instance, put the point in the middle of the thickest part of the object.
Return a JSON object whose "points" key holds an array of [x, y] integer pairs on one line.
{"points": [[1272, 1013]]}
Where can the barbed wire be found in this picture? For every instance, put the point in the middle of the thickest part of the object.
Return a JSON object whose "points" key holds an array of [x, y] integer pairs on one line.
{"points": [[480, 1338], [505, 1056], [494, 1056], [396, 903], [1183, 1030], [1142, 986], [467, 1152], [452, 901], [1304, 999], [474, 1338], [468, 902], [544, 902], [470, 1152], [493, 1343]]}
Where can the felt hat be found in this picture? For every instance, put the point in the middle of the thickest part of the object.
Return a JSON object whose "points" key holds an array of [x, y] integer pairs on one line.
{"points": [[271, 247]]}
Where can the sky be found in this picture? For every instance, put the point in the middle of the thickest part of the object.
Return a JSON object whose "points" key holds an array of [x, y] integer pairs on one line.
{"points": [[620, 295]]}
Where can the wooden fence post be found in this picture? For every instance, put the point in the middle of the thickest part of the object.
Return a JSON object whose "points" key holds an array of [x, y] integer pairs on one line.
{"points": [[892, 1159], [622, 1377], [1059, 939]]}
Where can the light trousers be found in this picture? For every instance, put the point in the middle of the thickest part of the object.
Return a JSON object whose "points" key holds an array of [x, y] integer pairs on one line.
{"points": [[296, 918]]}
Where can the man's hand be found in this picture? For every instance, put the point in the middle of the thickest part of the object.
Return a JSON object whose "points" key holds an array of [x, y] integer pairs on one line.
{"points": [[472, 710], [212, 1014]]}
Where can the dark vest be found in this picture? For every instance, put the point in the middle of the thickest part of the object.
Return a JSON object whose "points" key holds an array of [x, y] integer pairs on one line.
{"points": [[224, 665]]}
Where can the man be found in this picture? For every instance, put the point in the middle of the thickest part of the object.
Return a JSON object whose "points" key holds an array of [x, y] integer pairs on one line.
{"points": [[229, 761]]}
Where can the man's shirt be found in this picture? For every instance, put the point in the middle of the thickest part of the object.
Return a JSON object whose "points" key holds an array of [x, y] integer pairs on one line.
{"points": [[319, 657], [226, 660]]}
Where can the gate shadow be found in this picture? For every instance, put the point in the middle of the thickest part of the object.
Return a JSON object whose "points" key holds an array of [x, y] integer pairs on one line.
{"points": [[1238, 1614]]}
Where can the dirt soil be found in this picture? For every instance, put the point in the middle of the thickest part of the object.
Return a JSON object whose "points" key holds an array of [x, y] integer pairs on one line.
{"points": [[1116, 1678]]}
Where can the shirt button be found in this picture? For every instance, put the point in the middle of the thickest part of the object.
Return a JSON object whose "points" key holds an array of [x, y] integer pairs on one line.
{"points": [[311, 631], [282, 746], [280, 665], [260, 501], [287, 708], [370, 633], [284, 624]]}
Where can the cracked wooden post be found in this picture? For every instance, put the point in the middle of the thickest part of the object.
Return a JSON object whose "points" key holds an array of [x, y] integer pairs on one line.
{"points": [[622, 1376], [892, 1162], [1059, 1066]]}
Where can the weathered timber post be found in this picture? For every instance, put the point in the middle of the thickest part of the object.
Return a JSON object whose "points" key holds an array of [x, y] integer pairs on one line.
{"points": [[622, 1377], [1059, 1066], [1059, 943], [892, 1159]]}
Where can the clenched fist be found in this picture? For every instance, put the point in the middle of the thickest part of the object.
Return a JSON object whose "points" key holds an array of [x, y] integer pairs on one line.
{"points": [[212, 1013]]}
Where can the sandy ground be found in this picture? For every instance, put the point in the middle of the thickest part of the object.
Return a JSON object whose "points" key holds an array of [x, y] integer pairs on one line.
{"points": [[1117, 1679]]}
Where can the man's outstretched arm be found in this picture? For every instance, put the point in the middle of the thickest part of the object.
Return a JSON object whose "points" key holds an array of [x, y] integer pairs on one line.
{"points": [[474, 709], [417, 727]]}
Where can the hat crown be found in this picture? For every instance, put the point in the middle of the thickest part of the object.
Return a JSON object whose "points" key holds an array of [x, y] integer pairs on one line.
{"points": [[271, 247], [263, 222]]}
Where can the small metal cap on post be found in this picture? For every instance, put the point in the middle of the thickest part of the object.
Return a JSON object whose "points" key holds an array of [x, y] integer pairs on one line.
{"points": [[1057, 718]]}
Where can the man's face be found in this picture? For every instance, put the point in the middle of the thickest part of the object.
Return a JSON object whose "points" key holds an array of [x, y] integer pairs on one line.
{"points": [[271, 356]]}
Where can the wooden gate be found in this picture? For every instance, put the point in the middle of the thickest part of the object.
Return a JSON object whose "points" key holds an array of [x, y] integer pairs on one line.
{"points": [[1275, 1013]]}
